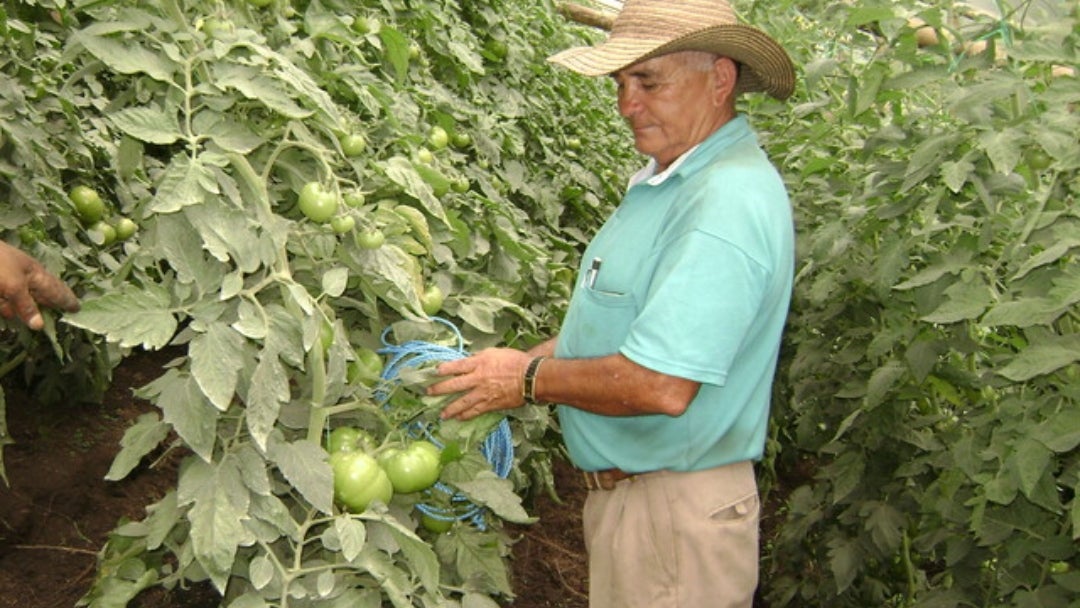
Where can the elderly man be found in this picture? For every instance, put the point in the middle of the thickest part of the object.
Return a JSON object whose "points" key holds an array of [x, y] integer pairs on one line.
{"points": [[662, 370], [25, 283]]}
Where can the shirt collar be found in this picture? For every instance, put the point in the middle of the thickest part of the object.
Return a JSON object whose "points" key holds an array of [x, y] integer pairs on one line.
{"points": [[649, 175], [722, 137]]}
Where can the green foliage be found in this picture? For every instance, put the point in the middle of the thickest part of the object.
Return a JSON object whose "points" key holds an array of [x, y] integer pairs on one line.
{"points": [[929, 377], [202, 122]]}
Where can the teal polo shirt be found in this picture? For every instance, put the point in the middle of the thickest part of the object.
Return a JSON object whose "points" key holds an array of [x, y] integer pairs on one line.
{"points": [[694, 281]]}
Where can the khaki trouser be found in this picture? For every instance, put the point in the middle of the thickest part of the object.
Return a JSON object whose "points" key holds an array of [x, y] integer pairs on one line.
{"points": [[675, 540]]}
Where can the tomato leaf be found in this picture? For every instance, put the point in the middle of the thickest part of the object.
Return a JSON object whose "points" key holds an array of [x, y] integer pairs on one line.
{"points": [[162, 517], [1052, 353], [304, 464], [396, 47], [255, 85], [149, 124], [185, 407], [404, 173], [267, 392], [220, 504], [497, 494], [127, 57], [139, 440], [217, 356], [422, 558], [351, 536], [181, 244], [131, 316]]}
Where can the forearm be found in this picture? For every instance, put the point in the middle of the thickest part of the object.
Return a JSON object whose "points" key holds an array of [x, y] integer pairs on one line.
{"points": [[612, 386], [545, 348]]}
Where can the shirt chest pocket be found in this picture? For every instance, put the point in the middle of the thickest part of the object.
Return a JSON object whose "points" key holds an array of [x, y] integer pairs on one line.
{"points": [[599, 322]]}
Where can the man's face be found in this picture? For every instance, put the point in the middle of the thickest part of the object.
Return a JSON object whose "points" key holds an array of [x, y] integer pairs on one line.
{"points": [[670, 103]]}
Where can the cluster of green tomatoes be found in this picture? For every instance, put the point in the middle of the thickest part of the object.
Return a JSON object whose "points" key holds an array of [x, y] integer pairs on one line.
{"points": [[363, 474], [93, 213]]}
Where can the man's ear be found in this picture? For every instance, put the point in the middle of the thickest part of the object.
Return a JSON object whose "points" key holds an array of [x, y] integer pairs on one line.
{"points": [[725, 73]]}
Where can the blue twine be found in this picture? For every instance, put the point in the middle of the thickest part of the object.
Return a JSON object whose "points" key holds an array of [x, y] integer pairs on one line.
{"points": [[497, 448]]}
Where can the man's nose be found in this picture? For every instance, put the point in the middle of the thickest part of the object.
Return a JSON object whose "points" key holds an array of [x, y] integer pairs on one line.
{"points": [[628, 103]]}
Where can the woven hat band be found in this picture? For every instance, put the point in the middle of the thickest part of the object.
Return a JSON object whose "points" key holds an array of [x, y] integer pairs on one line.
{"points": [[639, 19]]}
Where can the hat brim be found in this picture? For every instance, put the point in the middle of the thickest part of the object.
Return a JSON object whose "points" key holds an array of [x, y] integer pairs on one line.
{"points": [[765, 65]]}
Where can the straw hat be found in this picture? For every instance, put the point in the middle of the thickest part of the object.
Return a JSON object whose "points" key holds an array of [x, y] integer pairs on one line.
{"points": [[649, 28]]}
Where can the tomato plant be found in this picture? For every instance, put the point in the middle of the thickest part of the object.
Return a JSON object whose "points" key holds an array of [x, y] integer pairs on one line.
{"points": [[221, 130], [412, 468]]}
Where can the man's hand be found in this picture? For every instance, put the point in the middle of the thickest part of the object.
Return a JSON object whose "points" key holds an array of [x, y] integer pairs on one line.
{"points": [[25, 284], [490, 380]]}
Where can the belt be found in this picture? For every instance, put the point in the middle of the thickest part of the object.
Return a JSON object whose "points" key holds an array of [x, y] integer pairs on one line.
{"points": [[606, 479]]}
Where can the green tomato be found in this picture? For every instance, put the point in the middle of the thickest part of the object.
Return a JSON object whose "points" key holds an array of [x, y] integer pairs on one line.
{"points": [[366, 368], [217, 27], [363, 25], [574, 143], [88, 204], [460, 185], [342, 223], [317, 203], [353, 144], [425, 156], [1038, 159], [438, 138], [462, 139], [414, 51], [432, 300], [355, 199], [495, 49], [102, 233], [125, 228], [435, 524], [349, 439], [359, 480], [1060, 567], [371, 239], [29, 235], [414, 468]]}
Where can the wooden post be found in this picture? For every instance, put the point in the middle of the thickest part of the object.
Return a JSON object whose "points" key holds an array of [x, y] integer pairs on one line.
{"points": [[586, 16]]}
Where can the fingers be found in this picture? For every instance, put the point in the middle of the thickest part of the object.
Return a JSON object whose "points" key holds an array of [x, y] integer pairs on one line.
{"points": [[48, 290], [488, 381], [21, 304]]}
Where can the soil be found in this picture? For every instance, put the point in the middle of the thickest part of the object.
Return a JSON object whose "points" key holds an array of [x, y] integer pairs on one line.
{"points": [[58, 510]]}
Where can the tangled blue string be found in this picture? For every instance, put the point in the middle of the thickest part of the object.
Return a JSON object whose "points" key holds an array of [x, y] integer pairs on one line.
{"points": [[497, 448]]}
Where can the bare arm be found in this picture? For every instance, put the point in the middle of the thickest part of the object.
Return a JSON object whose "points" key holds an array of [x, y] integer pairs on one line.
{"points": [[612, 386]]}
